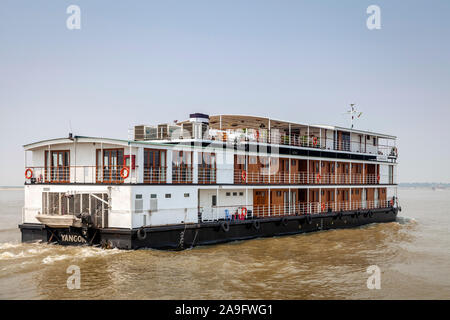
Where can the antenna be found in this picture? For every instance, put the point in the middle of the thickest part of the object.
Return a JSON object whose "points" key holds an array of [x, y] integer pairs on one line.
{"points": [[70, 128], [352, 112]]}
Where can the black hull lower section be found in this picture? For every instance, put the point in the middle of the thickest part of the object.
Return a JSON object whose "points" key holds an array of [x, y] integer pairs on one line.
{"points": [[178, 237]]}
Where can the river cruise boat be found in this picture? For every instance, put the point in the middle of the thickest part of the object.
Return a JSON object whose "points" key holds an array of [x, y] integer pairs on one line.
{"points": [[207, 180]]}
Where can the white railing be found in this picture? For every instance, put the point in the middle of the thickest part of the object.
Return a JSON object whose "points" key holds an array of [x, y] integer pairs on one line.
{"points": [[314, 140], [243, 212], [249, 177], [80, 174], [155, 175]]}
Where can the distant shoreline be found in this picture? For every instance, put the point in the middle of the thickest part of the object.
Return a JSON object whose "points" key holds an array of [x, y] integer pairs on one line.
{"points": [[5, 188]]}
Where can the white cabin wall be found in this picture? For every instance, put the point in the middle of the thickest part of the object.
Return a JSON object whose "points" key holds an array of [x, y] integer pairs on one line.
{"points": [[384, 173], [172, 210], [225, 166], [224, 202], [330, 139], [32, 203], [370, 147], [355, 146]]}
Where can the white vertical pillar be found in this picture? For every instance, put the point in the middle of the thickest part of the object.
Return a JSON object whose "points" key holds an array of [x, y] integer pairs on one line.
{"points": [[350, 173], [320, 138], [307, 138], [308, 206], [101, 162], [335, 172], [74, 162], [307, 171], [335, 199], [350, 197], [195, 163], [290, 134], [320, 171], [169, 155], [269, 200], [140, 165]]}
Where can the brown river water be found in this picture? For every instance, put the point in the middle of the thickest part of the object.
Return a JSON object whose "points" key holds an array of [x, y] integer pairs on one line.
{"points": [[413, 256]]}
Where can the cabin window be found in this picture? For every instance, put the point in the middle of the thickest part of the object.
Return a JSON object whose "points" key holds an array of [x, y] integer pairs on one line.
{"points": [[214, 200], [109, 165], [186, 195], [154, 166], [206, 167], [374, 141], [234, 194], [57, 167], [294, 162], [228, 194], [182, 167], [168, 195], [153, 196], [241, 193]]}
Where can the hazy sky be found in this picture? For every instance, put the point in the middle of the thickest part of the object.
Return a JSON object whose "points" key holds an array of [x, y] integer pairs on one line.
{"points": [[156, 61]]}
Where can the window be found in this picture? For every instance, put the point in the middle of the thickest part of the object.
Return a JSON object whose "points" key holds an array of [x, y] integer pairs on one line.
{"points": [[186, 195], [182, 166], [294, 162], [168, 196], [374, 141], [109, 165], [153, 196], [214, 200], [241, 193], [234, 194], [206, 167], [253, 160], [59, 169], [154, 166], [229, 194]]}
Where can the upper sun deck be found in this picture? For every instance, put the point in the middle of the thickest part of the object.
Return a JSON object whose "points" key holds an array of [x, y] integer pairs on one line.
{"points": [[241, 129]]}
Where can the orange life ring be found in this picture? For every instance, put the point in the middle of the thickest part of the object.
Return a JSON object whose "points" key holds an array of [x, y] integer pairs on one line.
{"points": [[28, 173], [257, 134], [315, 141], [244, 175], [323, 206], [124, 172], [318, 177]]}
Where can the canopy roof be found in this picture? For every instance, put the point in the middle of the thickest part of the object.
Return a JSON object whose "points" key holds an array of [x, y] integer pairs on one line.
{"points": [[228, 121]]}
